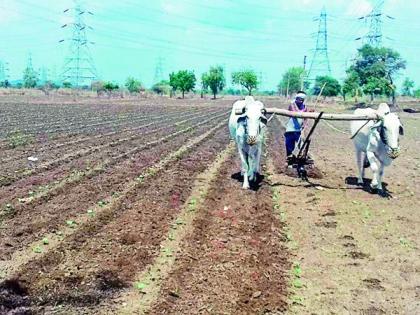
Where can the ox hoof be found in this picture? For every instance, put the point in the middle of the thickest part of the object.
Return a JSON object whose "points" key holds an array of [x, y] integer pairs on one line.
{"points": [[245, 186], [375, 186], [360, 181]]}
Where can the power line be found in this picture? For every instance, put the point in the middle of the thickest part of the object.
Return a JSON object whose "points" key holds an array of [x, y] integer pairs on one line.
{"points": [[320, 64], [79, 67]]}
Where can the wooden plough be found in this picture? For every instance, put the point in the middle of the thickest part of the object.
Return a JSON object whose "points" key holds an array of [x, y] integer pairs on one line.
{"points": [[301, 160]]}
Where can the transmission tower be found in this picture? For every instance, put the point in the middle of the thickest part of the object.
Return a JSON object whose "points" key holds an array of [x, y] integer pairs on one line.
{"points": [[158, 71], [44, 74], [79, 68], [320, 64], [375, 20]]}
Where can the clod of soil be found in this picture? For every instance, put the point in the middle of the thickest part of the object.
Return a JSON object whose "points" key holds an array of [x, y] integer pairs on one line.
{"points": [[357, 255], [373, 284], [329, 225]]}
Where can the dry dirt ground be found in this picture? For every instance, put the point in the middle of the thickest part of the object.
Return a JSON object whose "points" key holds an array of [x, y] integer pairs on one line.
{"points": [[135, 207]]}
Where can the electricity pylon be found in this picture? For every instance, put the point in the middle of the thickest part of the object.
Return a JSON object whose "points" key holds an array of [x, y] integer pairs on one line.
{"points": [[375, 20], [158, 71], [79, 67], [320, 64]]}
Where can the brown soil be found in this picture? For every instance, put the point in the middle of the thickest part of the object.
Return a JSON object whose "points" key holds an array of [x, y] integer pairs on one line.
{"points": [[323, 246]]}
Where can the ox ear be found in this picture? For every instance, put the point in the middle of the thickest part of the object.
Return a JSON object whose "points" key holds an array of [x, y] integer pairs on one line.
{"points": [[401, 130]]}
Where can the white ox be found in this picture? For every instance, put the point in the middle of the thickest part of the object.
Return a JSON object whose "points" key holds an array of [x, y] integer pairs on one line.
{"points": [[376, 143], [248, 131]]}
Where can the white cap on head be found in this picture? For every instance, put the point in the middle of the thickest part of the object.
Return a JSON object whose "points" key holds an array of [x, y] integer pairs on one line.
{"points": [[301, 95]]}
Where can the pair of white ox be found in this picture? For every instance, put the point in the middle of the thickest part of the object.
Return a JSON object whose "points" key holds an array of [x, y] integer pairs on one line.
{"points": [[376, 143], [248, 129]]}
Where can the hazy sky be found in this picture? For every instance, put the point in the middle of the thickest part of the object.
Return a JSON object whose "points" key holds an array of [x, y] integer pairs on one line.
{"points": [[268, 36]]}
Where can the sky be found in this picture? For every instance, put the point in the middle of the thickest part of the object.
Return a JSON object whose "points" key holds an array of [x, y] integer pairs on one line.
{"points": [[130, 37]]}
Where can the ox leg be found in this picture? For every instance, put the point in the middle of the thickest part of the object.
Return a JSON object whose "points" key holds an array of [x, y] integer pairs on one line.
{"points": [[245, 167], [380, 175], [360, 157], [258, 160], [243, 163], [374, 166]]}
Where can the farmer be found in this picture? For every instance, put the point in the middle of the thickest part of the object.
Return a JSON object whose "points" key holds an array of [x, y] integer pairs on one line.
{"points": [[295, 126]]}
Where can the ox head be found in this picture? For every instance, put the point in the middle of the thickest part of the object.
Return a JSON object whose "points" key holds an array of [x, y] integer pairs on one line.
{"points": [[389, 128], [254, 120]]}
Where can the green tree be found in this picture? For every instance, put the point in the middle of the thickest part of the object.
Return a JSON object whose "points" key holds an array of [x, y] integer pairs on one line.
{"points": [[351, 85], [161, 87], [376, 68], [109, 87], [214, 79], [328, 85], [417, 93], [247, 78], [133, 85], [30, 78], [291, 81], [407, 85], [183, 80], [67, 85]]}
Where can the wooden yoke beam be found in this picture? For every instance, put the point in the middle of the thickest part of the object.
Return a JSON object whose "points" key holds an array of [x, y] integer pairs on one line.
{"points": [[314, 115], [325, 116]]}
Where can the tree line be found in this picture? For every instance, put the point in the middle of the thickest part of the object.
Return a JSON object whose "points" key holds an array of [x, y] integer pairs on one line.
{"points": [[371, 74]]}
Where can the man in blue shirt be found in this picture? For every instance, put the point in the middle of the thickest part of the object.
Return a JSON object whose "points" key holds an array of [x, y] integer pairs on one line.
{"points": [[295, 126]]}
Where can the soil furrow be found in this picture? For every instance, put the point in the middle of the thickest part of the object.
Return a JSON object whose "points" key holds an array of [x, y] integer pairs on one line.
{"points": [[66, 202], [38, 148], [14, 175], [233, 262], [123, 239], [29, 187]]}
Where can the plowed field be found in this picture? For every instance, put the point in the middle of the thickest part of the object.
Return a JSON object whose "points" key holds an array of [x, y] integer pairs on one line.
{"points": [[136, 207]]}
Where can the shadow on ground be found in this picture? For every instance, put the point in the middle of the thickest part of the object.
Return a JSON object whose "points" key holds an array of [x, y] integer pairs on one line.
{"points": [[254, 185], [366, 187]]}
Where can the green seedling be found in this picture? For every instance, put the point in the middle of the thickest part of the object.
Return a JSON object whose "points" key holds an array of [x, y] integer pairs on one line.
{"points": [[102, 203], [297, 283], [171, 236], [153, 171], [18, 138], [37, 250], [367, 214], [296, 299], [140, 286], [71, 223], [297, 270], [45, 241], [91, 213], [192, 204], [8, 209], [405, 243], [179, 221], [168, 252]]}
